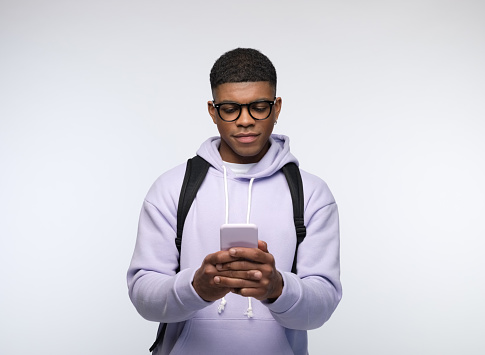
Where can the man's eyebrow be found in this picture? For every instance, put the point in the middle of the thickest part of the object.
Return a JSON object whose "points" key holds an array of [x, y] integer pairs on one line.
{"points": [[228, 102]]}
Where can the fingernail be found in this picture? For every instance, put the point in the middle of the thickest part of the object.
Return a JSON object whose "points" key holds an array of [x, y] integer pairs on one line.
{"points": [[218, 266], [217, 279], [232, 252]]}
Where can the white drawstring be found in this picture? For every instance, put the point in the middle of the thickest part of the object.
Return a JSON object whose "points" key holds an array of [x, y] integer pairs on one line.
{"points": [[249, 199], [222, 304], [249, 311], [227, 195]]}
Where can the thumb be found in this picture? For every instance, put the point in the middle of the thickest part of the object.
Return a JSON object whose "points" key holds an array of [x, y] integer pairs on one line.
{"points": [[263, 246]]}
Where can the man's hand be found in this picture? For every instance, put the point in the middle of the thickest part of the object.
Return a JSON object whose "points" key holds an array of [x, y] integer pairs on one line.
{"points": [[250, 273], [207, 279], [203, 282]]}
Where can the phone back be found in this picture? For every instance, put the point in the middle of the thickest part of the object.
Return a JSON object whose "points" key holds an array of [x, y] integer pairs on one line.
{"points": [[239, 235]]}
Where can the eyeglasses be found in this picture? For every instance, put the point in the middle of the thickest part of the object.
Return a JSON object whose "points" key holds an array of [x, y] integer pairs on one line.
{"points": [[258, 110]]}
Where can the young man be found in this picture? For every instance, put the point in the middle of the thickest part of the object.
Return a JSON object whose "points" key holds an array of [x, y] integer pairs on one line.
{"points": [[242, 300]]}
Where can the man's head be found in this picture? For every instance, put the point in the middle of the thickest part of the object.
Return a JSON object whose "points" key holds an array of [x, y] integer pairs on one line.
{"points": [[242, 65], [244, 106]]}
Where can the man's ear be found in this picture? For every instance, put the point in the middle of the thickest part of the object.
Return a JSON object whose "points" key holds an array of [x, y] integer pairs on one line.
{"points": [[212, 111], [277, 107]]}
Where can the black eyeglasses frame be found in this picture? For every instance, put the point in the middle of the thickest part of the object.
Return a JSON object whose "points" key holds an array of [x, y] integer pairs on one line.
{"points": [[218, 106]]}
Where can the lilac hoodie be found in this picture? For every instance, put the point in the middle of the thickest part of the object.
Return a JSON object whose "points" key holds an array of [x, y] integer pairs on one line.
{"points": [[196, 326]]}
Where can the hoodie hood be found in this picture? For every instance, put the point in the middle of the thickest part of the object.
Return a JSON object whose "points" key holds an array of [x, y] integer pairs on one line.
{"points": [[275, 158]]}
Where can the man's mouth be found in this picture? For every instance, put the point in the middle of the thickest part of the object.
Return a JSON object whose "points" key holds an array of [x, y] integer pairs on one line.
{"points": [[246, 138]]}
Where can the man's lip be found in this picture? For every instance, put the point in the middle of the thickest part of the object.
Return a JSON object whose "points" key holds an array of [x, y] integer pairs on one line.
{"points": [[246, 137]]}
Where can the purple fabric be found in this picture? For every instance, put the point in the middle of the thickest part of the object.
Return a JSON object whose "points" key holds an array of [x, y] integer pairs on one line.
{"points": [[308, 299]]}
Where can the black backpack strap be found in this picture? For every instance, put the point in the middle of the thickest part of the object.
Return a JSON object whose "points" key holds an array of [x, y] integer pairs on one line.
{"points": [[293, 176], [161, 333], [194, 176], [195, 173]]}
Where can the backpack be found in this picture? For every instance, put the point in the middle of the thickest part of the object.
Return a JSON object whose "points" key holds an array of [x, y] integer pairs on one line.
{"points": [[195, 173]]}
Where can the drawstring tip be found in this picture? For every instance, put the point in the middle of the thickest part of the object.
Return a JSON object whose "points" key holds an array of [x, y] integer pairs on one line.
{"points": [[222, 305], [249, 313]]}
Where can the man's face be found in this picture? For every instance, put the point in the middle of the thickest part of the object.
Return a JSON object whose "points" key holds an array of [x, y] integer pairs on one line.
{"points": [[245, 140]]}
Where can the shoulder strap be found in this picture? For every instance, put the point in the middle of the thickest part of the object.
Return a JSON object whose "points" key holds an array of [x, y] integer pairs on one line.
{"points": [[161, 333], [194, 176], [293, 177]]}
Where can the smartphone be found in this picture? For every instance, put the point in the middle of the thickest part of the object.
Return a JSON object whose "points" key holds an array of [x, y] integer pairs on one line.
{"points": [[239, 235]]}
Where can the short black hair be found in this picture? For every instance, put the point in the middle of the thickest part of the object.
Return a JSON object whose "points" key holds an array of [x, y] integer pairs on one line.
{"points": [[242, 65]]}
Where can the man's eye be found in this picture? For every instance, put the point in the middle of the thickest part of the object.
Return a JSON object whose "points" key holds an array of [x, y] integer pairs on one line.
{"points": [[259, 107], [229, 109]]}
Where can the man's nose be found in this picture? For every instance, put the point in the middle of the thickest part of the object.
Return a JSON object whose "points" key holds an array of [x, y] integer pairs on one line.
{"points": [[245, 118]]}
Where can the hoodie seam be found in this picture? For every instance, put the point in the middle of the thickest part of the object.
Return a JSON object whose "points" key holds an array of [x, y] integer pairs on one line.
{"points": [[159, 212]]}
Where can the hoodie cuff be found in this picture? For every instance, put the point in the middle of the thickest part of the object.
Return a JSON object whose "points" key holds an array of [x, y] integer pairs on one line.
{"points": [[186, 292], [291, 294]]}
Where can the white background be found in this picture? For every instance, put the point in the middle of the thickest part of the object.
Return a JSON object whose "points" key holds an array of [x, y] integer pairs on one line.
{"points": [[382, 99]]}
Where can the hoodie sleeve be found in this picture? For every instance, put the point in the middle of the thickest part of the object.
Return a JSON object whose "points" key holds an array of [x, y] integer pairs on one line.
{"points": [[310, 297], [157, 292]]}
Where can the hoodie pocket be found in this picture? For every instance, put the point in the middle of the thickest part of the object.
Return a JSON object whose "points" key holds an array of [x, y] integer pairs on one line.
{"points": [[232, 336]]}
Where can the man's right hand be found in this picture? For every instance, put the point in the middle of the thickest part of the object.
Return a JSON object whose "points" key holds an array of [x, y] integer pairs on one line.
{"points": [[205, 277]]}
